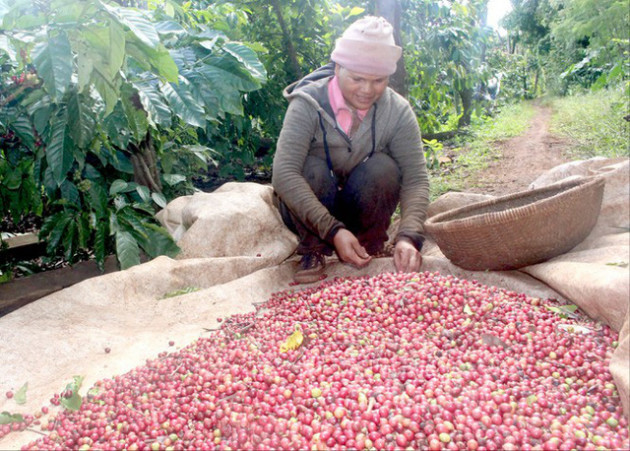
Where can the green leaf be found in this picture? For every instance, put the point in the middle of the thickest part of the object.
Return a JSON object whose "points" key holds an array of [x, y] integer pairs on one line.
{"points": [[172, 294], [159, 242], [8, 418], [24, 130], [70, 192], [173, 179], [127, 250], [143, 192], [169, 27], [248, 58], [115, 126], [137, 23], [20, 395], [73, 402], [159, 59], [59, 153], [158, 112], [563, 310], [69, 241], [117, 186], [159, 199], [183, 104], [100, 242], [58, 224], [222, 71], [82, 125], [109, 90], [53, 60]]}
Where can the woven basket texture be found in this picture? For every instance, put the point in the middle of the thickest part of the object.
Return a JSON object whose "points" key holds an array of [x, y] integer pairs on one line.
{"points": [[519, 229]]}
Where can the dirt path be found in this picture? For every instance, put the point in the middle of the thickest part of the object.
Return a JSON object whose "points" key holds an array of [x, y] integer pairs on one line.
{"points": [[523, 158]]}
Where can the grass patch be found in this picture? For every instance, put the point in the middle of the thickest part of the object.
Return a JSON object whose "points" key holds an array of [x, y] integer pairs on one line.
{"points": [[594, 122], [474, 151]]}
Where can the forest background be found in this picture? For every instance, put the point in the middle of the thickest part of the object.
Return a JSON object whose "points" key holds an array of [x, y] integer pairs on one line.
{"points": [[109, 110]]}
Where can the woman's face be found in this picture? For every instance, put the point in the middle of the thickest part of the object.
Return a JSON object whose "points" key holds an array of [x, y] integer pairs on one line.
{"points": [[360, 90]]}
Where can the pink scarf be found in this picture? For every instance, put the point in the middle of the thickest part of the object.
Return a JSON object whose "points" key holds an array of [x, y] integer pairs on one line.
{"points": [[343, 113]]}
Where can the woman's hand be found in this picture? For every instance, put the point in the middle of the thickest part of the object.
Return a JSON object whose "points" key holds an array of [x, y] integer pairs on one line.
{"points": [[406, 257], [349, 249]]}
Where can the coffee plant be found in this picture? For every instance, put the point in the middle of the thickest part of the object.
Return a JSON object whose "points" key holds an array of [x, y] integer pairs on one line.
{"points": [[91, 94]]}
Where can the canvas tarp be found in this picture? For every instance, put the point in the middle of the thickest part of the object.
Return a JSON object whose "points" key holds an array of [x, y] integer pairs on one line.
{"points": [[236, 252]]}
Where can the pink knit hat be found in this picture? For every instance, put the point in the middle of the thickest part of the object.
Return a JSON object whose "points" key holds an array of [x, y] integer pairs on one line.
{"points": [[367, 46]]}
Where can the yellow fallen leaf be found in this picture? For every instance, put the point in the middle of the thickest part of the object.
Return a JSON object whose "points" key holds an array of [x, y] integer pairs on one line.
{"points": [[293, 341]]}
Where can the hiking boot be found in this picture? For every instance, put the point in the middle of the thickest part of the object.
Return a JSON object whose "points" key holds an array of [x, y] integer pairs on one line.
{"points": [[310, 268]]}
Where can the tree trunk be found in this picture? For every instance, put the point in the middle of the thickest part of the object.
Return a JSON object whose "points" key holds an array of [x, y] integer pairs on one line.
{"points": [[294, 70], [144, 161], [391, 11], [466, 95]]}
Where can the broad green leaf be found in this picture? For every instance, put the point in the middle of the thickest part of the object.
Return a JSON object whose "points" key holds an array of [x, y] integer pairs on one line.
{"points": [[98, 200], [156, 60], [58, 223], [248, 58], [163, 62], [121, 162], [100, 242], [115, 126], [41, 116], [59, 153], [103, 48], [117, 186], [143, 192], [53, 60], [127, 250], [159, 242], [183, 104], [173, 179], [20, 395], [116, 49], [70, 192], [202, 91], [137, 121], [109, 90], [69, 242], [159, 199], [169, 27], [158, 112], [139, 25], [85, 66], [82, 125], [24, 130], [222, 71], [132, 221]]}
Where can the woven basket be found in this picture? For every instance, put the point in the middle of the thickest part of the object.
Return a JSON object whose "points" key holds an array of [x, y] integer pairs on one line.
{"points": [[519, 229]]}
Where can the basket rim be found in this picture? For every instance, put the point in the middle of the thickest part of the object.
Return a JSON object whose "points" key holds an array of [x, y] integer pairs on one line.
{"points": [[574, 184]]}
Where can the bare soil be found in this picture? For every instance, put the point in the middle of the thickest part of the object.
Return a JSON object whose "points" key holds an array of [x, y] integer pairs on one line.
{"points": [[522, 159]]}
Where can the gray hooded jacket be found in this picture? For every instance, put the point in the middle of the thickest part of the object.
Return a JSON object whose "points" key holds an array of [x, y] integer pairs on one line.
{"points": [[390, 126]]}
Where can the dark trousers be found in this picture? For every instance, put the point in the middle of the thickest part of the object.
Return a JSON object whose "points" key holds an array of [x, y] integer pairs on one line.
{"points": [[364, 203]]}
